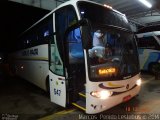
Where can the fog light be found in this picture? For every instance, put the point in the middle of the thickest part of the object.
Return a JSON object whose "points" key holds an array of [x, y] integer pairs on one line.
{"points": [[139, 82], [104, 94]]}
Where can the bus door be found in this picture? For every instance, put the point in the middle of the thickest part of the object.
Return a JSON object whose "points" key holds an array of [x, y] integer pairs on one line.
{"points": [[57, 71], [75, 63], [77, 69], [57, 78], [63, 18]]}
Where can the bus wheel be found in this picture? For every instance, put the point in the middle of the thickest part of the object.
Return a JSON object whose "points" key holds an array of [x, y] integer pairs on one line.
{"points": [[152, 68]]}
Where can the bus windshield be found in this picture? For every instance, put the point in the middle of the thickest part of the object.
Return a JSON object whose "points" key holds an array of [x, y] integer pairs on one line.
{"points": [[98, 14], [114, 53]]}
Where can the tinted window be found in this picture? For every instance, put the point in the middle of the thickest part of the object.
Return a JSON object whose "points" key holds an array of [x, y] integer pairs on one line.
{"points": [[98, 14], [113, 55], [148, 43], [74, 47], [37, 35], [65, 17], [45, 29]]}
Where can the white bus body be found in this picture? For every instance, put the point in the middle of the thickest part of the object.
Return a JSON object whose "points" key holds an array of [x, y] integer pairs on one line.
{"points": [[59, 46]]}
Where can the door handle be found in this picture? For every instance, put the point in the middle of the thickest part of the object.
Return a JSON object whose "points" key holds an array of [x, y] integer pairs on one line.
{"points": [[61, 79]]}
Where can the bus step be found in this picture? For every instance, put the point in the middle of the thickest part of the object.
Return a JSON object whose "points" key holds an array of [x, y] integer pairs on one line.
{"points": [[82, 95], [80, 104]]}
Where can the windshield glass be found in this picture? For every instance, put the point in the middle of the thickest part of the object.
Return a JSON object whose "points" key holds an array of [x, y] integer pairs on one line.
{"points": [[98, 14], [113, 54]]}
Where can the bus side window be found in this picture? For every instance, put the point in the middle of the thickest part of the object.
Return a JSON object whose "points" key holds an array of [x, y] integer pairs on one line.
{"points": [[63, 17], [55, 64], [148, 43], [45, 30], [75, 46], [52, 55]]}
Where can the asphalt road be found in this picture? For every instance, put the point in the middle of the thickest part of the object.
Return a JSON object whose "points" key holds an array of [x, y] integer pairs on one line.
{"points": [[23, 101]]}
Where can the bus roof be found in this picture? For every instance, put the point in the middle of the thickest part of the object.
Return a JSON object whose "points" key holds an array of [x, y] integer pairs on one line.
{"points": [[70, 2]]}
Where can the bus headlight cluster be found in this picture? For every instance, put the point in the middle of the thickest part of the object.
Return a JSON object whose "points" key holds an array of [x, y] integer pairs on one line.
{"points": [[139, 82], [104, 94]]}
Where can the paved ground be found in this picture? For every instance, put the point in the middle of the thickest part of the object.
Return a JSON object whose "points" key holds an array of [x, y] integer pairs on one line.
{"points": [[22, 100], [143, 107]]}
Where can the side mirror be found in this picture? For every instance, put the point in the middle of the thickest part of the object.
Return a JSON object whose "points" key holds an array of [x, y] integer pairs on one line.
{"points": [[86, 37], [86, 34]]}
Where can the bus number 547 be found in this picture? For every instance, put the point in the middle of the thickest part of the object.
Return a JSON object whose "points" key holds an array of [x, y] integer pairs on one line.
{"points": [[57, 92]]}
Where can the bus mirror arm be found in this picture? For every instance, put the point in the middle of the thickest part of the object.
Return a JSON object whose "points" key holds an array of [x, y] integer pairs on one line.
{"points": [[86, 37], [86, 33], [83, 22]]}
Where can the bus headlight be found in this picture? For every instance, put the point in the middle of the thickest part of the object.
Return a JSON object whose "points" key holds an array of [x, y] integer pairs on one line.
{"points": [[104, 94], [139, 82]]}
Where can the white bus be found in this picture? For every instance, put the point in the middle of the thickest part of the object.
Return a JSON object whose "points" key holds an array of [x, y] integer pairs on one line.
{"points": [[54, 54], [149, 50]]}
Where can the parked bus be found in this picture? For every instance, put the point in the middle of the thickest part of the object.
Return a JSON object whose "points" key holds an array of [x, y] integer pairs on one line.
{"points": [[149, 50], [57, 54]]}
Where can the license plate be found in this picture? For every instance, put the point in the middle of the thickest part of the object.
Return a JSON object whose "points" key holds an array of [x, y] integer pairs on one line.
{"points": [[126, 98]]}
